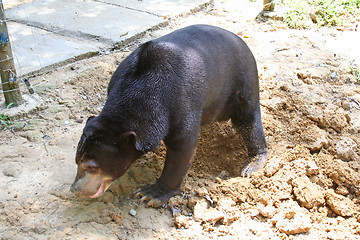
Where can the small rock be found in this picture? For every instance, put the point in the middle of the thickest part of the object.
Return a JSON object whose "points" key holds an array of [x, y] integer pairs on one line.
{"points": [[342, 190], [181, 221], [74, 68], [336, 118], [207, 197], [276, 104], [272, 166], [204, 214], [223, 174], [311, 168], [273, 15], [175, 211], [346, 105], [341, 205], [312, 73], [46, 138], [290, 218], [201, 191], [345, 149], [347, 117], [315, 138], [268, 211], [11, 171], [132, 212], [79, 120], [225, 204], [285, 87], [307, 193], [39, 229], [218, 180], [299, 223], [333, 75]]}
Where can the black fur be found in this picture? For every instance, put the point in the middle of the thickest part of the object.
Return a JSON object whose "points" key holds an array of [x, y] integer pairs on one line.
{"points": [[167, 88]]}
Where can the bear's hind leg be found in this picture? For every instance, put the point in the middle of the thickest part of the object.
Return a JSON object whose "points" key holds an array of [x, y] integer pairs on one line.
{"points": [[250, 127]]}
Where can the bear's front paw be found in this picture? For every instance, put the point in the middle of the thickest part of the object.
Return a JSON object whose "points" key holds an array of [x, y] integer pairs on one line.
{"points": [[254, 164], [155, 195]]}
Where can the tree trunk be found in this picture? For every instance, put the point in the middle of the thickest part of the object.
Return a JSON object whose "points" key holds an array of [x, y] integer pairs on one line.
{"points": [[10, 86]]}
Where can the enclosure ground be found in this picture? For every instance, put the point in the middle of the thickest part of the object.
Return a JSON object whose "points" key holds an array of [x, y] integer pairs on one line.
{"points": [[309, 188]]}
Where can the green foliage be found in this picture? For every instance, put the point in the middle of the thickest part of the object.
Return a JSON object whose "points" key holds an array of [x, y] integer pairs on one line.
{"points": [[297, 15], [328, 12], [4, 120], [356, 73]]}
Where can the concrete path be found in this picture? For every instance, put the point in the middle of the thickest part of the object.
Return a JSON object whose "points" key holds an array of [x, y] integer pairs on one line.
{"points": [[45, 33]]}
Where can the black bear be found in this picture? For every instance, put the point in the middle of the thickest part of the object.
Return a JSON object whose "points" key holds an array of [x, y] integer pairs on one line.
{"points": [[165, 90]]}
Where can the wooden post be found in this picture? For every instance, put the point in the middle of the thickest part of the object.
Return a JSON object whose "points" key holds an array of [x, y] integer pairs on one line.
{"points": [[269, 5], [9, 84]]}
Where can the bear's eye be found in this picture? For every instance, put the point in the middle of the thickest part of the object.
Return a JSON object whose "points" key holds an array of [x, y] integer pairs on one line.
{"points": [[90, 166]]}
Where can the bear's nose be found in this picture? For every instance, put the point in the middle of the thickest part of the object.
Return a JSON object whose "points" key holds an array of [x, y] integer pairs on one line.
{"points": [[74, 188]]}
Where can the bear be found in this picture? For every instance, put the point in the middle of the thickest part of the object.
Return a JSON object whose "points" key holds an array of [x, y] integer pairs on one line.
{"points": [[165, 90]]}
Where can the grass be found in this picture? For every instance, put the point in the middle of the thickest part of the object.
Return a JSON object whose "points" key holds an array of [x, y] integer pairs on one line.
{"points": [[356, 73], [327, 12], [4, 120], [296, 14]]}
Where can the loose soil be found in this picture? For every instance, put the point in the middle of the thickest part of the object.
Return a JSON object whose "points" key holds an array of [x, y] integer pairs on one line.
{"points": [[309, 188]]}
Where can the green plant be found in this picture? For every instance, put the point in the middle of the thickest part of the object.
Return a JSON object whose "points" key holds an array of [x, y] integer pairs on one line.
{"points": [[4, 120], [356, 73], [296, 14], [327, 12]]}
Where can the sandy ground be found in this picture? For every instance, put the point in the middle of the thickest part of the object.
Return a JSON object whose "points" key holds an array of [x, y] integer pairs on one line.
{"points": [[309, 188]]}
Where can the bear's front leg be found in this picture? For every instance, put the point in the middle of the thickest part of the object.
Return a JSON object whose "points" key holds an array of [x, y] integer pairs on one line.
{"points": [[178, 160]]}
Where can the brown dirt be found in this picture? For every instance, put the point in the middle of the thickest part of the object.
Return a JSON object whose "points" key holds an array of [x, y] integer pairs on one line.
{"points": [[309, 188]]}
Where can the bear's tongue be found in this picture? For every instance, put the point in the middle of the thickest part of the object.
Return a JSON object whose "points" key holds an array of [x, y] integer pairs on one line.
{"points": [[99, 192]]}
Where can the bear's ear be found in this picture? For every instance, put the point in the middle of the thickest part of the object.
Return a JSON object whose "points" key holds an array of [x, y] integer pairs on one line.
{"points": [[130, 139], [91, 117], [84, 140]]}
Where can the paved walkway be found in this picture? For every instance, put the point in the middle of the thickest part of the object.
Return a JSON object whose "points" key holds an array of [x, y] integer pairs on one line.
{"points": [[46, 33]]}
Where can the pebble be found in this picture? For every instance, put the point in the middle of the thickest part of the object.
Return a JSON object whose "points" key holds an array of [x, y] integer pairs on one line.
{"points": [[132, 212], [333, 75], [268, 211], [181, 221], [12, 171], [79, 120], [345, 149], [341, 205], [346, 105], [201, 191]]}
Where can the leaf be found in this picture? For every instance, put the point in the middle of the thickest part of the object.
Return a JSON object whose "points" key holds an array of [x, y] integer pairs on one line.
{"points": [[9, 106]]}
